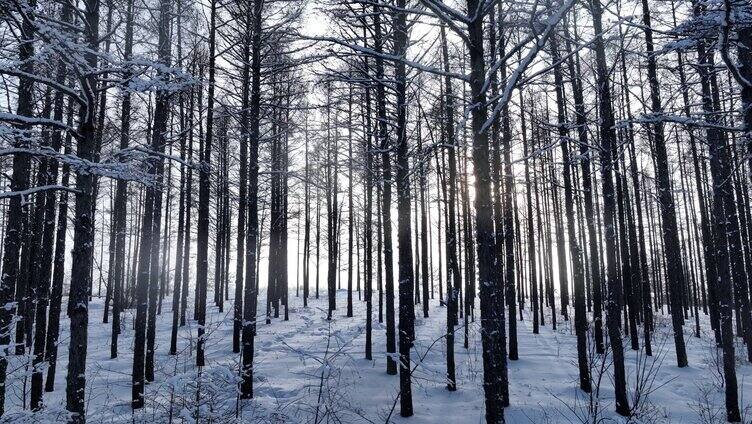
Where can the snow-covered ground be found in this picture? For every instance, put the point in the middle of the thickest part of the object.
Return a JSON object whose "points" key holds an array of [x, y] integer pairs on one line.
{"points": [[310, 370]]}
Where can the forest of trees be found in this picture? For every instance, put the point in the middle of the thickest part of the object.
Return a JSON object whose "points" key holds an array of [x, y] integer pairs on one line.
{"points": [[490, 162]]}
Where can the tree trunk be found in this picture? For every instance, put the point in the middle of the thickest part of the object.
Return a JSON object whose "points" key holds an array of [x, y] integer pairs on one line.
{"points": [[453, 270], [608, 139], [578, 275], [204, 197], [17, 208], [56, 293], [367, 220], [674, 268], [531, 254], [386, 197], [491, 295], [250, 295], [404, 242], [83, 236]]}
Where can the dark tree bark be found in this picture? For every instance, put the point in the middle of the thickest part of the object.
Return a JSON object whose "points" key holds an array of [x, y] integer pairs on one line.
{"points": [[450, 194], [404, 242], [587, 188], [17, 209], [350, 217], [307, 225], [531, 254], [491, 295], [242, 196], [47, 254], [544, 236], [222, 224], [705, 226], [561, 252], [284, 287], [277, 281], [188, 206], [367, 216], [674, 270], [440, 211], [83, 236], [142, 293], [742, 73], [647, 313], [608, 140], [332, 209], [56, 292], [204, 197], [121, 197], [721, 191], [424, 159], [379, 256], [159, 140], [148, 274], [318, 241], [180, 260], [250, 294], [578, 275], [626, 235], [509, 209], [386, 198], [36, 298]]}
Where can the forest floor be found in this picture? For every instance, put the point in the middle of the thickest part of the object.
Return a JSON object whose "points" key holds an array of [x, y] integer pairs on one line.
{"points": [[310, 370]]}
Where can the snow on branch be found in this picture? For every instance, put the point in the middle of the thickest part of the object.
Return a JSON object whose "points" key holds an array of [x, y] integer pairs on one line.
{"points": [[30, 191], [13, 69], [31, 121], [118, 166], [540, 41]]}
